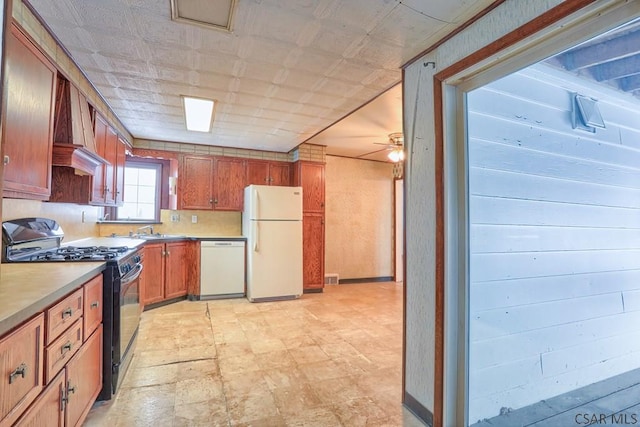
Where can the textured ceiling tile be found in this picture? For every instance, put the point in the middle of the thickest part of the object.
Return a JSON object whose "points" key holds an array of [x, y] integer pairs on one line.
{"points": [[405, 28], [289, 68], [222, 64], [447, 11], [362, 14], [94, 15]]}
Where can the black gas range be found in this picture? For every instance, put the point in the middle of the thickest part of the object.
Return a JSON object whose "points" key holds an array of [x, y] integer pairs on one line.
{"points": [[40, 240]]}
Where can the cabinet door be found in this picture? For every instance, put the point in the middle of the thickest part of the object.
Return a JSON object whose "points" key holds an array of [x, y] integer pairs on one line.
{"points": [[196, 183], [153, 273], [229, 183], [311, 179], [111, 156], [47, 411], [257, 172], [279, 174], [100, 130], [313, 251], [28, 125], [121, 155], [175, 267], [21, 359], [84, 379]]}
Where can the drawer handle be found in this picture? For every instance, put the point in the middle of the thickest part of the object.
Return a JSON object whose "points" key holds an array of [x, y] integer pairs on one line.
{"points": [[20, 370], [95, 304], [67, 312], [67, 347]]}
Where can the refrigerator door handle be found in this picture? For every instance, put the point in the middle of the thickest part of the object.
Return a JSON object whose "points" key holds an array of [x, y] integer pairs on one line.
{"points": [[256, 234], [256, 203]]}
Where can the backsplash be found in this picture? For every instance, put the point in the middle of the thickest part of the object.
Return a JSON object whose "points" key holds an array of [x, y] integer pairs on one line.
{"points": [[70, 217], [209, 224], [77, 221]]}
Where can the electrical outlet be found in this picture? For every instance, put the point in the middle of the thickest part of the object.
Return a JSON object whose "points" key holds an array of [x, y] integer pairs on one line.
{"points": [[175, 217], [83, 219], [194, 219]]}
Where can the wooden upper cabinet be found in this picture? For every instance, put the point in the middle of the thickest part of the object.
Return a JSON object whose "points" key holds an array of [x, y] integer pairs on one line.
{"points": [[280, 173], [110, 155], [108, 180], [229, 183], [262, 172], [310, 176], [28, 125], [257, 172], [195, 183], [98, 195], [121, 158], [218, 182]]}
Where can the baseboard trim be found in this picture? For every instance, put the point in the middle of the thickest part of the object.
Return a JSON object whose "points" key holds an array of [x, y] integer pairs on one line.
{"points": [[366, 280], [417, 409]]}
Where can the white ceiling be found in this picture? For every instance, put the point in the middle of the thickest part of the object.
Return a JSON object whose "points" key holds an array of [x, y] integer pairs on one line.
{"points": [[287, 71]]}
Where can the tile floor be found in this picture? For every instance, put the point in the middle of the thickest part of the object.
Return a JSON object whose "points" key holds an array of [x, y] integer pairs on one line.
{"points": [[329, 359]]}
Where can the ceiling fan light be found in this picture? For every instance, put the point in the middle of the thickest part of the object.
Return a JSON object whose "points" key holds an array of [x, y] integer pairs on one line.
{"points": [[396, 155]]}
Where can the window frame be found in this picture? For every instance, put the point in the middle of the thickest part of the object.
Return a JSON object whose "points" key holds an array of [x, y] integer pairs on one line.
{"points": [[162, 190]]}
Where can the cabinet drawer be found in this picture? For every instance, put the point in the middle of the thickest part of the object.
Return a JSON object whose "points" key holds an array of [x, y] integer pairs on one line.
{"points": [[21, 364], [92, 305], [59, 352], [63, 314]]}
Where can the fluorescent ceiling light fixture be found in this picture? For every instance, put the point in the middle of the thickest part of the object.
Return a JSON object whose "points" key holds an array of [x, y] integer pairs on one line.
{"points": [[198, 113]]}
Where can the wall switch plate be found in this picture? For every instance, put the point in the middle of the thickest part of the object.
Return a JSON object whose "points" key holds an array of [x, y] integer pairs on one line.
{"points": [[194, 219]]}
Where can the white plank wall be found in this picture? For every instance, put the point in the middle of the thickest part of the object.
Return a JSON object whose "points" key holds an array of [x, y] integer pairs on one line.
{"points": [[554, 241]]}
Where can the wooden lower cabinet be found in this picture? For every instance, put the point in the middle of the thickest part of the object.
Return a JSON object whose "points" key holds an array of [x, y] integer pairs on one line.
{"points": [[313, 251], [22, 359], [84, 379], [70, 370], [153, 273], [165, 271], [175, 270], [69, 396], [47, 411]]}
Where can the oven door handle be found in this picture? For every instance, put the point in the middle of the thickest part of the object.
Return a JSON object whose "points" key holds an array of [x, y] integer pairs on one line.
{"points": [[131, 276]]}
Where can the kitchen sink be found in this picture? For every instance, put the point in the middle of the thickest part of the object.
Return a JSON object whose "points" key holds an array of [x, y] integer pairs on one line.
{"points": [[158, 236]]}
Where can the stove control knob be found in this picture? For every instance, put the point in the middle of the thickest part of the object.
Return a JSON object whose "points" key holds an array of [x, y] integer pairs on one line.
{"points": [[137, 259], [126, 268]]}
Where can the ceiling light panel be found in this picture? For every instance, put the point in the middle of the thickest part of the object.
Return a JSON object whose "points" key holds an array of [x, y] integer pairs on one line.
{"points": [[211, 14], [198, 113]]}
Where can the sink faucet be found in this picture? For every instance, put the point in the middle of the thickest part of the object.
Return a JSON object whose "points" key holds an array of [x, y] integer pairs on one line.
{"points": [[150, 227]]}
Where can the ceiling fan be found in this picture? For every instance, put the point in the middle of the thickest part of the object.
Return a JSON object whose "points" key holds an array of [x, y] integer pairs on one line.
{"points": [[394, 147]]}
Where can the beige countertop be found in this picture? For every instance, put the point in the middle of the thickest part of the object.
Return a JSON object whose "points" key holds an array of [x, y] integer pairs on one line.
{"points": [[28, 288]]}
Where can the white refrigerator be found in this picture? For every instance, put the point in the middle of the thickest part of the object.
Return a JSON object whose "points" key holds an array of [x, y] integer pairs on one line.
{"points": [[272, 224]]}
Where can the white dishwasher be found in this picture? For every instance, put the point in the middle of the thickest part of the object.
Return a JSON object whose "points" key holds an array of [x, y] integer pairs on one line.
{"points": [[222, 269]]}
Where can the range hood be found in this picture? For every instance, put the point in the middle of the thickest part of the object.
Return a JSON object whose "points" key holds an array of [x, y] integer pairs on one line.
{"points": [[74, 143]]}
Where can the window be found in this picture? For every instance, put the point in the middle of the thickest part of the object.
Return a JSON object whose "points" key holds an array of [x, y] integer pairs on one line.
{"points": [[141, 192]]}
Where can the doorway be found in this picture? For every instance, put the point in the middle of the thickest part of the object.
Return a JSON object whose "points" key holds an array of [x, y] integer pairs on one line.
{"points": [[553, 239]]}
